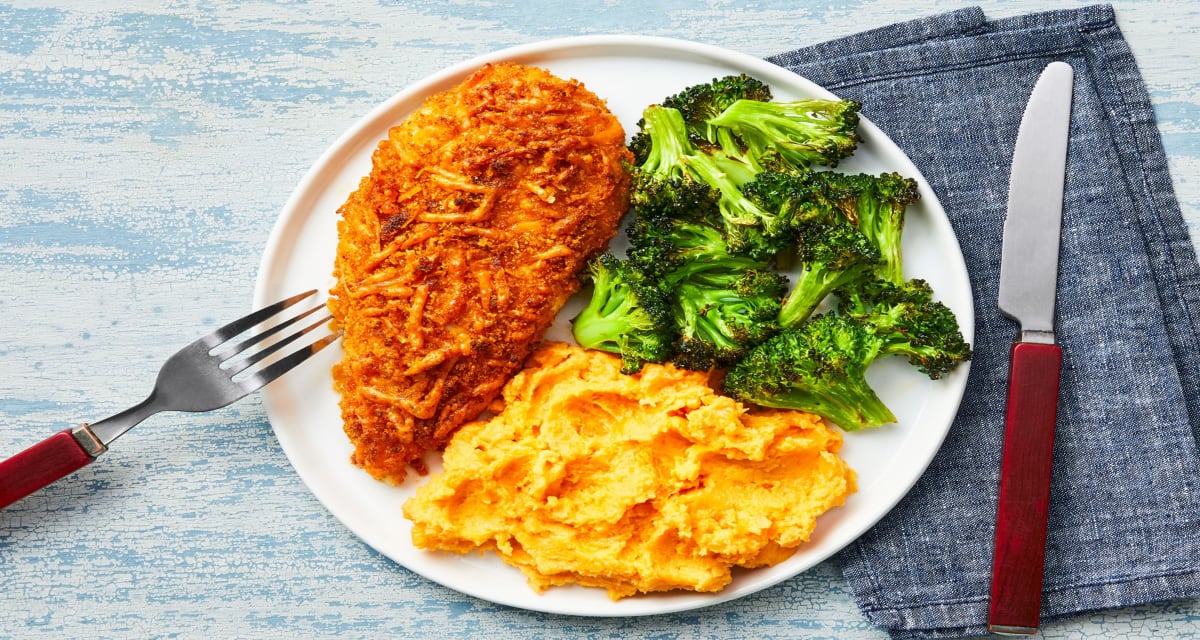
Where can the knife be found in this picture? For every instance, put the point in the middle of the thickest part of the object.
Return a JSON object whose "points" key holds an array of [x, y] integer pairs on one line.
{"points": [[1028, 281]]}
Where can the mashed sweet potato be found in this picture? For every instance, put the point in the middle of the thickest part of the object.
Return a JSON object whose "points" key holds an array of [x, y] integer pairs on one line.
{"points": [[639, 483]]}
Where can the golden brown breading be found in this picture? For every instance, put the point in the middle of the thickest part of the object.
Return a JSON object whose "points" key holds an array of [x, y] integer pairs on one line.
{"points": [[457, 251]]}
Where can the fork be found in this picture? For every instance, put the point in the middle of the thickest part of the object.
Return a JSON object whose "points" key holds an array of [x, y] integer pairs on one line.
{"points": [[212, 372]]}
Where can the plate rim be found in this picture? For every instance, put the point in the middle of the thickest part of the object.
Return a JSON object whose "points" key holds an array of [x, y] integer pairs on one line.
{"points": [[329, 159]]}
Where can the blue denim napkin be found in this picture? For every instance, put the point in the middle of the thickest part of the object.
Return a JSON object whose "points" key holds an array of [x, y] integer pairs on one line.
{"points": [[1125, 502]]}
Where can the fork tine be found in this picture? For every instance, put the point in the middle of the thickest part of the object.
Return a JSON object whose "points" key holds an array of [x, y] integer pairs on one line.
{"points": [[230, 349], [276, 369], [249, 360], [232, 329]]}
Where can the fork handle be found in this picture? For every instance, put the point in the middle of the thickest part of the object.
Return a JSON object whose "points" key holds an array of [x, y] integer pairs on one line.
{"points": [[40, 465]]}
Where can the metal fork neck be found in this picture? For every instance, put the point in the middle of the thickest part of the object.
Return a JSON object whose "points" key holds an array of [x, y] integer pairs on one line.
{"points": [[112, 427]]}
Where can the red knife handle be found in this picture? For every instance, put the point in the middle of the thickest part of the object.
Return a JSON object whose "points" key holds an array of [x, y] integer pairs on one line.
{"points": [[1025, 488], [39, 465]]}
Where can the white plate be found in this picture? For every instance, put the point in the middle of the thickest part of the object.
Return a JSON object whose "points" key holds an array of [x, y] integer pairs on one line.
{"points": [[629, 72]]}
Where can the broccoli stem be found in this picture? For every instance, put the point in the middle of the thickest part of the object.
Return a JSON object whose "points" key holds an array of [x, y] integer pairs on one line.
{"points": [[602, 328], [803, 132], [669, 142], [698, 309], [810, 290], [850, 409], [891, 266]]}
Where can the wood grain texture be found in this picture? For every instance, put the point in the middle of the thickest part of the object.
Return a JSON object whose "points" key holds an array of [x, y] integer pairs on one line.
{"points": [[146, 149]]}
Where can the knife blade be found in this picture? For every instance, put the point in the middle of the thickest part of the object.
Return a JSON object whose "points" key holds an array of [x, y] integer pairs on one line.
{"points": [[1028, 286]]}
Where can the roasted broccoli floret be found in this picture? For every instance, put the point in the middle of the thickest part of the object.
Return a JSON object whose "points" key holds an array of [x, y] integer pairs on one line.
{"points": [[722, 311], [799, 197], [876, 205], [728, 175], [671, 163], [659, 245], [674, 220], [702, 102], [909, 323], [721, 304], [829, 256], [819, 367], [666, 196], [627, 315], [803, 132], [678, 220], [661, 144]]}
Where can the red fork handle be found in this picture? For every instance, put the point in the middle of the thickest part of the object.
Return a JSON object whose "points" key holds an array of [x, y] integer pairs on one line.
{"points": [[1025, 488], [51, 459]]}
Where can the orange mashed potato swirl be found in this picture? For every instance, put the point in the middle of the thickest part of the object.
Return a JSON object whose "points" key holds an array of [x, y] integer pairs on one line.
{"points": [[640, 483]]}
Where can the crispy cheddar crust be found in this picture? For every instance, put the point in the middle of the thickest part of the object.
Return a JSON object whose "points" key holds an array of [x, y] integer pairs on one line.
{"points": [[459, 248]]}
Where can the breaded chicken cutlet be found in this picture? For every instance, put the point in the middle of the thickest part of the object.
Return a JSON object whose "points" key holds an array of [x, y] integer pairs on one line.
{"points": [[457, 251]]}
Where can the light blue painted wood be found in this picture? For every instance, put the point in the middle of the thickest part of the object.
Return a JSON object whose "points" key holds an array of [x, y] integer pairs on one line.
{"points": [[144, 153]]}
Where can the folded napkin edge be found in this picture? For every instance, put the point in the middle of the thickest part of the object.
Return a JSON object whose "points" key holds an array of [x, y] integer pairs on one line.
{"points": [[891, 53], [948, 25], [1068, 588], [923, 621], [1177, 271]]}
